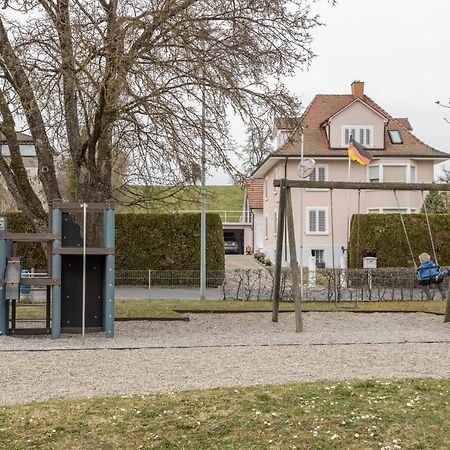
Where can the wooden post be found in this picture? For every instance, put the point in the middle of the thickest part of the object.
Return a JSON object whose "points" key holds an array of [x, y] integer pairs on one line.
{"points": [[294, 264], [279, 250], [447, 306], [364, 185], [4, 253]]}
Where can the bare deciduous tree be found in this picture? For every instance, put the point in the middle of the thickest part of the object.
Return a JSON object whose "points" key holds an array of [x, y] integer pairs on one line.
{"points": [[89, 79]]}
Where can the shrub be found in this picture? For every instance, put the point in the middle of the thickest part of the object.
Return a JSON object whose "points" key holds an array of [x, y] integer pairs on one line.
{"points": [[382, 236], [146, 241]]}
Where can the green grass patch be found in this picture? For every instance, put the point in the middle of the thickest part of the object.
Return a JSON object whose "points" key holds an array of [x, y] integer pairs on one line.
{"points": [[169, 308], [386, 414], [167, 200]]}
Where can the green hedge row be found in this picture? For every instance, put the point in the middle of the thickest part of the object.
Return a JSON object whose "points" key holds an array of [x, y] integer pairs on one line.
{"points": [[382, 236], [147, 241], [167, 242]]}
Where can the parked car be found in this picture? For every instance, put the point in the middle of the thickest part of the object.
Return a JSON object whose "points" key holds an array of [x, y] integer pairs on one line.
{"points": [[231, 247]]}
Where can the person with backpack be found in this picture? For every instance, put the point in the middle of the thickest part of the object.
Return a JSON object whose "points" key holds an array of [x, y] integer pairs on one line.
{"points": [[429, 273]]}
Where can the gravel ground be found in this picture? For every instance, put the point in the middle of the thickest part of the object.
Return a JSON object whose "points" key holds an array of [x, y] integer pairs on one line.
{"points": [[213, 350]]}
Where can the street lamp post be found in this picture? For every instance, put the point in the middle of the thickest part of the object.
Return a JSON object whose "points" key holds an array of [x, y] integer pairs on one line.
{"points": [[203, 198]]}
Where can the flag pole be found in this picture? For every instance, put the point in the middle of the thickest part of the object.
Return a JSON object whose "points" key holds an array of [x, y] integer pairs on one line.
{"points": [[348, 203]]}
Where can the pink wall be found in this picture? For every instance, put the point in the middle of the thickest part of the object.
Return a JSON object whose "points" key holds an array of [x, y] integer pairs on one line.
{"points": [[357, 114], [337, 171]]}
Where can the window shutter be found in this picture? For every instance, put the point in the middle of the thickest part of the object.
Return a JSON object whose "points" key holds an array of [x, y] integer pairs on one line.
{"points": [[275, 222], [321, 220], [321, 173], [353, 133], [346, 136], [368, 137], [312, 221], [361, 135]]}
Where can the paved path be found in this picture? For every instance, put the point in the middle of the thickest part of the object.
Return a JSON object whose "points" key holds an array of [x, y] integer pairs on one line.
{"points": [[233, 262]]}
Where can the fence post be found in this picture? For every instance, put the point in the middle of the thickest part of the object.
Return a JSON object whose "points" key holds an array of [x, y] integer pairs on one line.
{"points": [[149, 282], [312, 272]]}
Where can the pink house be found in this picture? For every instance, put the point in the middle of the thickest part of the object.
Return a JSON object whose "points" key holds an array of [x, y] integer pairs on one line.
{"points": [[326, 127]]}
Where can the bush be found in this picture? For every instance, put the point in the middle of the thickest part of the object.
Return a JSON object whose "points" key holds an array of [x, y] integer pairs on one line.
{"points": [[382, 236], [146, 241]]}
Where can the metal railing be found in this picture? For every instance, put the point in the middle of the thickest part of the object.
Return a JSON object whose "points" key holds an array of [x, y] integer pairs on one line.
{"points": [[228, 216]]}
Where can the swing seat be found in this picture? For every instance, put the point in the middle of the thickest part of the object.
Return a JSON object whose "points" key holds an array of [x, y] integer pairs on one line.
{"points": [[429, 275], [437, 279]]}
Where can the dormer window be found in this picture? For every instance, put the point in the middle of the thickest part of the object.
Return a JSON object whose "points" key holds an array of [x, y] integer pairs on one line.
{"points": [[395, 136], [361, 133]]}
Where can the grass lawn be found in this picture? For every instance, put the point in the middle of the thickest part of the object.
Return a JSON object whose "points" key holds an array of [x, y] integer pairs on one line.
{"points": [[385, 414], [173, 309], [218, 198]]}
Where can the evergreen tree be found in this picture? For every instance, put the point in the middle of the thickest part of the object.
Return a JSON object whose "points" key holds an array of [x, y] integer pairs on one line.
{"points": [[435, 203]]}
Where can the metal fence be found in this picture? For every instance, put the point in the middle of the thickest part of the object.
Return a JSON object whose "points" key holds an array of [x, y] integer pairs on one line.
{"points": [[257, 284], [322, 285]]}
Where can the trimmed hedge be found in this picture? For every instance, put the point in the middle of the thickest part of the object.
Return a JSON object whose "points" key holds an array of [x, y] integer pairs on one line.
{"points": [[32, 253], [382, 236], [147, 241], [167, 242]]}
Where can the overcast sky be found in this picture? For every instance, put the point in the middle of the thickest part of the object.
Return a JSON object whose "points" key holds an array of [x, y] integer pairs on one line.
{"points": [[399, 48]]}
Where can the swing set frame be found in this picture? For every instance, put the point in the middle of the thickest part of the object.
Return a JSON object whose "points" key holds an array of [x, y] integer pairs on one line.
{"points": [[286, 220]]}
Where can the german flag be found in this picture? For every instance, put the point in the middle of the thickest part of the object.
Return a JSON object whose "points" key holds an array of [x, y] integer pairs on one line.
{"points": [[357, 152]]}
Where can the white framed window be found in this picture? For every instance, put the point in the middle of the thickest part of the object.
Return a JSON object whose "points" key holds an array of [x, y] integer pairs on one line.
{"points": [[391, 210], [412, 174], [275, 222], [317, 220], [392, 173], [318, 254], [373, 174], [266, 227], [266, 187], [361, 133], [319, 173]]}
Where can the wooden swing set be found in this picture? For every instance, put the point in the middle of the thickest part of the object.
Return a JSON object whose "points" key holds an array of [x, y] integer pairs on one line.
{"points": [[286, 219]]}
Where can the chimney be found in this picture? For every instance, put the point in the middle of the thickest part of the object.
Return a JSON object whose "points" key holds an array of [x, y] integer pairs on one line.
{"points": [[358, 89]]}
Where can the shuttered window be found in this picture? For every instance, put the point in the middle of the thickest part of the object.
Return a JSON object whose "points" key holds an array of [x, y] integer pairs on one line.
{"points": [[320, 173], [362, 134], [317, 221]]}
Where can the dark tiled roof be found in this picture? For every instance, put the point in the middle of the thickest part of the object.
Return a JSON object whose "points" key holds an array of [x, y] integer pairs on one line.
{"points": [[404, 122], [316, 143], [254, 188]]}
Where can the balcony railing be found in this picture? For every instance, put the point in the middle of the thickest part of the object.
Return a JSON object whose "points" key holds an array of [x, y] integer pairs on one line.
{"points": [[228, 216]]}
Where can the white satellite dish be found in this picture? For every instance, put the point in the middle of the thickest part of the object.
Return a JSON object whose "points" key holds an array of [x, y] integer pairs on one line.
{"points": [[305, 167]]}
